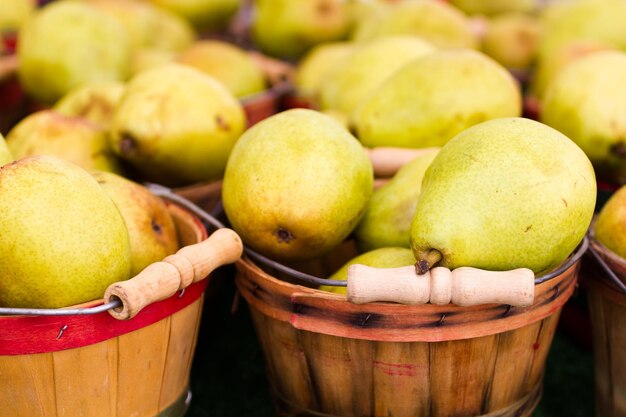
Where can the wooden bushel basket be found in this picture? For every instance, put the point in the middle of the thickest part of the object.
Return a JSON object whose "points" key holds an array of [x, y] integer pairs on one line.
{"points": [[95, 365], [328, 357], [607, 309]]}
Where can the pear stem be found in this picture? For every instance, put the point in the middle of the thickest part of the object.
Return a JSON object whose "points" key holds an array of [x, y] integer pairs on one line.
{"points": [[428, 260]]}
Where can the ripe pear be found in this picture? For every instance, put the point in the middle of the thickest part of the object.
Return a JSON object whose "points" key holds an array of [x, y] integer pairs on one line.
{"points": [[368, 66], [73, 139], [151, 229], [227, 63], [439, 95], [495, 7], [176, 125], [94, 102], [92, 46], [204, 15], [312, 70], [591, 20], [507, 193], [13, 14], [296, 185], [609, 227], [5, 153], [390, 212], [385, 257], [147, 58], [288, 29], [62, 239], [512, 39], [148, 25], [437, 22], [585, 101]]}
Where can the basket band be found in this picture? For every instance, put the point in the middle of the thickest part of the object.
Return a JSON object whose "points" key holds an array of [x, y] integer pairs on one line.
{"points": [[523, 407], [21, 335]]}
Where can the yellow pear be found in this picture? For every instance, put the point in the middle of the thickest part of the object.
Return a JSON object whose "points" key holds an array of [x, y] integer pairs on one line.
{"points": [[151, 229], [74, 139], [5, 153], [62, 239], [94, 102]]}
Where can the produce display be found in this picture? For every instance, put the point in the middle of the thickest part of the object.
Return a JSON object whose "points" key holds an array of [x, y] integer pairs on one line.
{"points": [[449, 142]]}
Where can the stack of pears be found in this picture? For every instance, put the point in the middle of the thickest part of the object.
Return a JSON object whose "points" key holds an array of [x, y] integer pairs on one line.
{"points": [[66, 234]]}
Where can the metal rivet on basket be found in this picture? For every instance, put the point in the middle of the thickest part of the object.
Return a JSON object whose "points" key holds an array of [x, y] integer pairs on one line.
{"points": [[443, 317], [181, 293], [507, 311], [63, 329]]}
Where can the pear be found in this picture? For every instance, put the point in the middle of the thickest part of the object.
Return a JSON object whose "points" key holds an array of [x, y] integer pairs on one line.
{"points": [[204, 15], [5, 153], [547, 68], [176, 125], [504, 194], [437, 22], [390, 212], [495, 7], [585, 101], [149, 26], [13, 14], [512, 39], [151, 229], [609, 227], [62, 239], [74, 139], [385, 257], [312, 70], [288, 29], [296, 185], [91, 46], [591, 20], [439, 95], [370, 64], [94, 102], [227, 63], [148, 58]]}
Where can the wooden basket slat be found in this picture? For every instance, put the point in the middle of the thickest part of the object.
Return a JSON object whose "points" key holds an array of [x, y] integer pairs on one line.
{"points": [[29, 393]]}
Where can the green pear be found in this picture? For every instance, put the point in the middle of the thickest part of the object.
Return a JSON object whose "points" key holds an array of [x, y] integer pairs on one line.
{"points": [[609, 227], [388, 217], [296, 185], [437, 22], [176, 125], [512, 39], [74, 139], [94, 102], [585, 101], [591, 20], [148, 25], [385, 257], [204, 15], [67, 43], [151, 228], [495, 7], [288, 29], [5, 153], [62, 239], [507, 193], [312, 70], [227, 63], [368, 66], [147, 58], [439, 95]]}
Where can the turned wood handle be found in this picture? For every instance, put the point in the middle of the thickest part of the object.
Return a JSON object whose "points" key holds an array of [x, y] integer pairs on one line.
{"points": [[388, 160], [276, 71], [163, 279], [462, 286]]}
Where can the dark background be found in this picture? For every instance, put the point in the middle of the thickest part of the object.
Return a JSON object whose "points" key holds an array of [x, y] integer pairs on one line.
{"points": [[228, 375]]}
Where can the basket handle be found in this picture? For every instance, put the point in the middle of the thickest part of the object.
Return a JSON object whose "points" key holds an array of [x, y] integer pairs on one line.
{"points": [[463, 286], [163, 279], [388, 160]]}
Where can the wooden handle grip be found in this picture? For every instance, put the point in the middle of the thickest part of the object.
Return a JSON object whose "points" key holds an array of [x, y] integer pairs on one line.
{"points": [[388, 160], [163, 279], [462, 286]]}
